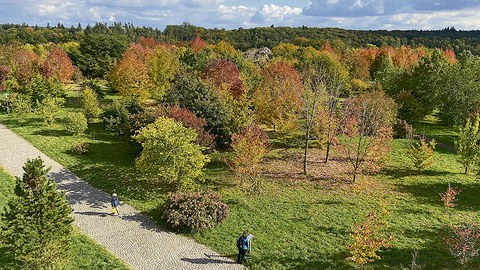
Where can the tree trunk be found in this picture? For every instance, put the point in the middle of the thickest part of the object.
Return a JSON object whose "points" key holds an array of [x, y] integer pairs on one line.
{"points": [[466, 169], [328, 152], [306, 152]]}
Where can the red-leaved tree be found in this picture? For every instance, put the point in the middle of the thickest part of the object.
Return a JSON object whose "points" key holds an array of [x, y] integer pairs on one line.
{"points": [[199, 124], [224, 73], [58, 65], [198, 44]]}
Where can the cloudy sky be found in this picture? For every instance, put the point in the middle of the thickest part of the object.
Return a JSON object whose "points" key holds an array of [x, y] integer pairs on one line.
{"points": [[349, 14]]}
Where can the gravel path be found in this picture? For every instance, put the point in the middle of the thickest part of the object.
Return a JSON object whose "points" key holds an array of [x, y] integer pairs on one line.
{"points": [[134, 237]]}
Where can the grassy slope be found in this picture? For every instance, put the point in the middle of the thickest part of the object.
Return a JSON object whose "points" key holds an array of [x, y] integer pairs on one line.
{"points": [[85, 253], [297, 225]]}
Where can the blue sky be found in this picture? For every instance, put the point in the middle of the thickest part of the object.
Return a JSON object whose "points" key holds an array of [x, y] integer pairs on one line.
{"points": [[349, 14]]}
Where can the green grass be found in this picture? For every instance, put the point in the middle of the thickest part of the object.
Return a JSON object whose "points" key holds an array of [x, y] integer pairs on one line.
{"points": [[431, 127], [85, 253], [297, 224]]}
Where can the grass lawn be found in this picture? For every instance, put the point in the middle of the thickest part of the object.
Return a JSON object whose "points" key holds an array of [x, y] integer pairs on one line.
{"points": [[298, 222], [85, 253]]}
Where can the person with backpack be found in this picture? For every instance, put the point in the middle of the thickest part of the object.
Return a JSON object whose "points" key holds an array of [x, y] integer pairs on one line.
{"points": [[115, 202], [243, 244]]}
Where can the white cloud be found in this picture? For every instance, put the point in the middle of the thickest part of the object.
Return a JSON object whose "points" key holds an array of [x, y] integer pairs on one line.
{"points": [[276, 14]]}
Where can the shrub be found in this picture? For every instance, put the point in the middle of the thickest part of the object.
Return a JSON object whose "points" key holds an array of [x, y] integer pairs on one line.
{"points": [[81, 148], [467, 144], [463, 242], [194, 211], [37, 225], [170, 153], [76, 123], [18, 104], [368, 237], [48, 109], [421, 154], [249, 147], [450, 196], [403, 130], [90, 104]]}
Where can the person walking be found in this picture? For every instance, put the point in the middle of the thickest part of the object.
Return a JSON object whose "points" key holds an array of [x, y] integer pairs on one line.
{"points": [[115, 202], [243, 244]]}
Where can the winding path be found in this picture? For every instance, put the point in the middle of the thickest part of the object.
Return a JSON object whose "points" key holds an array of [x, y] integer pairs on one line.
{"points": [[134, 238]]}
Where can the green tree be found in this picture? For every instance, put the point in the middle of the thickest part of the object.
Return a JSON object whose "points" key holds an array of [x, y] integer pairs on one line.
{"points": [[76, 123], [48, 109], [421, 154], [170, 153], [467, 144], [163, 65], [38, 222], [90, 104]]}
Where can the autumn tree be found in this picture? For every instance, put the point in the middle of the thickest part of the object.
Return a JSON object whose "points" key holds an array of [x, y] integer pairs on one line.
{"points": [[170, 153], [278, 101], [367, 129], [131, 76], [225, 78], [249, 147], [199, 124], [422, 154], [26, 66], [198, 44], [468, 143], [58, 65], [324, 80], [163, 65]]}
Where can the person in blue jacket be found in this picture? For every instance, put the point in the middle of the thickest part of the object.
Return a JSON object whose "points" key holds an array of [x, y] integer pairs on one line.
{"points": [[115, 202], [243, 245]]}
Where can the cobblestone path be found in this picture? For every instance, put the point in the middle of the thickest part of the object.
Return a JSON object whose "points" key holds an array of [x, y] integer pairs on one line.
{"points": [[134, 237]]}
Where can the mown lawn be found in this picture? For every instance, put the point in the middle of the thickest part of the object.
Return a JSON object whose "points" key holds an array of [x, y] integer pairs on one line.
{"points": [[298, 223], [85, 253]]}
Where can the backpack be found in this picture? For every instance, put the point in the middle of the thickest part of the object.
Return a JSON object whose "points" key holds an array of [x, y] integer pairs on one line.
{"points": [[240, 242]]}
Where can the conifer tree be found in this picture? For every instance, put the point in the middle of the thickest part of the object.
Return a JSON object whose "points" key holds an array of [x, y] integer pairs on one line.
{"points": [[38, 222]]}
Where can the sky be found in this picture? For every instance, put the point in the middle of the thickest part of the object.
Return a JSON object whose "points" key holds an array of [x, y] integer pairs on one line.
{"points": [[230, 14]]}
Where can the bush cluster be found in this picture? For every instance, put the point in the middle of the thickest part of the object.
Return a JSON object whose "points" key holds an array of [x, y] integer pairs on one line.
{"points": [[76, 123], [194, 211]]}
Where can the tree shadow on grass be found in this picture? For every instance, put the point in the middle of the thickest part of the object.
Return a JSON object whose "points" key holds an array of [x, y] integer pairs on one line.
{"points": [[429, 194], [395, 172], [52, 133], [7, 259]]}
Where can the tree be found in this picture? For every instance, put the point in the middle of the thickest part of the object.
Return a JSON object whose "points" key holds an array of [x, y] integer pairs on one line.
{"points": [[467, 144], [367, 128], [368, 238], [189, 92], [163, 65], [279, 98], [58, 65], [198, 44], [130, 76], [98, 53], [49, 108], [249, 147], [26, 65], [90, 104], [170, 153], [421, 154], [38, 222], [199, 124], [76, 123]]}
